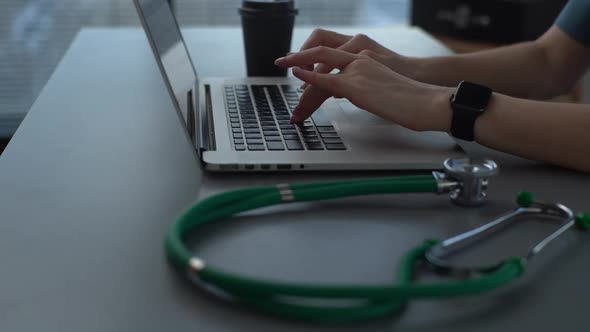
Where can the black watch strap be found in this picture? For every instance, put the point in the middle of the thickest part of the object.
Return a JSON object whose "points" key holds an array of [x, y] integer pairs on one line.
{"points": [[468, 103]]}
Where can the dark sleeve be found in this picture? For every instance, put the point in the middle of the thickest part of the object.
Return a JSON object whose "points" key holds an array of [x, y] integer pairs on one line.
{"points": [[575, 20]]}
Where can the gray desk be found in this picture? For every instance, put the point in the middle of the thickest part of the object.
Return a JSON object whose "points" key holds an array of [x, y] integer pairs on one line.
{"points": [[100, 168]]}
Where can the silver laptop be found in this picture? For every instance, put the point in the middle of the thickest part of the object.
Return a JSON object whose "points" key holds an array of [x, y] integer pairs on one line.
{"points": [[242, 124]]}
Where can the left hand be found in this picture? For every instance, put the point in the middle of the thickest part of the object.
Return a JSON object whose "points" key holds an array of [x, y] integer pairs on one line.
{"points": [[371, 86]]}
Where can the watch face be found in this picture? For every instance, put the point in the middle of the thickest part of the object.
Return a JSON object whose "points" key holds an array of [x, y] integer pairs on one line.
{"points": [[472, 95]]}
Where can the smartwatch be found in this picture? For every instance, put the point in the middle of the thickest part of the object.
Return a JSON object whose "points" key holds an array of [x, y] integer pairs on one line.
{"points": [[468, 102]]}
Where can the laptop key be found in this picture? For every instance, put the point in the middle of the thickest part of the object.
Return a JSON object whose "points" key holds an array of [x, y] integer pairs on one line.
{"points": [[256, 148], [325, 135], [326, 129], [234, 120], [275, 146], [236, 130], [240, 147], [330, 140], [335, 146], [287, 88], [238, 141], [273, 138], [315, 146], [235, 125], [307, 131], [311, 140], [294, 145], [270, 132], [251, 125], [254, 142], [253, 136], [291, 136], [252, 130]]}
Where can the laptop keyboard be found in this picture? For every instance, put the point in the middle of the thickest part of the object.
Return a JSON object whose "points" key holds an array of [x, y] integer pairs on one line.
{"points": [[260, 116]]}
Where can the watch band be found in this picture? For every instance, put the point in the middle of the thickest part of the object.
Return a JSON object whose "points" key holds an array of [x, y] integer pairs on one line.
{"points": [[463, 123], [468, 102]]}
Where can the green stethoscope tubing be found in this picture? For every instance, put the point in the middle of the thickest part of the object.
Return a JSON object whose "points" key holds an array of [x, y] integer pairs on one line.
{"points": [[273, 297]]}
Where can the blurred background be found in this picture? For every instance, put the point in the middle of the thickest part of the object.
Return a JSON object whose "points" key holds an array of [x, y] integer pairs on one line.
{"points": [[35, 34]]}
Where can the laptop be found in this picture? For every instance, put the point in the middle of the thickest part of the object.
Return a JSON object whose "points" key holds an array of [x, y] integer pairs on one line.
{"points": [[242, 124]]}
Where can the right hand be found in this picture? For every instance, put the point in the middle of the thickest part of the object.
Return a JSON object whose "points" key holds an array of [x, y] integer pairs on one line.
{"points": [[313, 97], [371, 86]]}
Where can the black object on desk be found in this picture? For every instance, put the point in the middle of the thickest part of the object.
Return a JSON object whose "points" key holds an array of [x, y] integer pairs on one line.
{"points": [[268, 29], [500, 21]]}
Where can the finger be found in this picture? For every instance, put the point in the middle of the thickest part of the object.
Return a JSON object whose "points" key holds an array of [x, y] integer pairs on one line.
{"points": [[311, 99], [321, 54], [314, 95], [321, 37], [320, 68], [359, 44]]}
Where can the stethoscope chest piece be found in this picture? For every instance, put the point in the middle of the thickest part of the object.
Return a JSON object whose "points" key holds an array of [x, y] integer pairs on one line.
{"points": [[466, 179]]}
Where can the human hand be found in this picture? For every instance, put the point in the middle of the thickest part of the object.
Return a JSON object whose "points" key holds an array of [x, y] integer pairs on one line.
{"points": [[312, 96], [371, 86]]}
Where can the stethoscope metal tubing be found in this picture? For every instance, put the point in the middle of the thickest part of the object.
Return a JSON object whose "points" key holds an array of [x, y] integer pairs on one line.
{"points": [[438, 255]]}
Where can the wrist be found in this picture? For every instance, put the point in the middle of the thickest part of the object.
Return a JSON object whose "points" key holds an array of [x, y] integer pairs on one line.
{"points": [[439, 111]]}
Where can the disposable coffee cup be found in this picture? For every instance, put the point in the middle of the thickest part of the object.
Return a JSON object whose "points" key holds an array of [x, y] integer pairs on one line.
{"points": [[268, 28]]}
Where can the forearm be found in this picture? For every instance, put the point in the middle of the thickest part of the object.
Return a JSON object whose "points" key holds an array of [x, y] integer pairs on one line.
{"points": [[522, 70], [551, 132], [556, 133]]}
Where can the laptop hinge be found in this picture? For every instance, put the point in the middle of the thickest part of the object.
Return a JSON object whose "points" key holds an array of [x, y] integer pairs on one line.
{"points": [[190, 117], [206, 126]]}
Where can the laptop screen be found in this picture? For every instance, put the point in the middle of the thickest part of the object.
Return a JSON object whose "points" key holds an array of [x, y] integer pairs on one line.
{"points": [[170, 50]]}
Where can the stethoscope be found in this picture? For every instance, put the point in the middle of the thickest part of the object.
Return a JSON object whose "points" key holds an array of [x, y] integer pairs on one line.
{"points": [[466, 182]]}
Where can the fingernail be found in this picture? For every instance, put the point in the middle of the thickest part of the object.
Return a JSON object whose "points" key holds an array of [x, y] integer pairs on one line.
{"points": [[303, 86], [279, 60]]}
